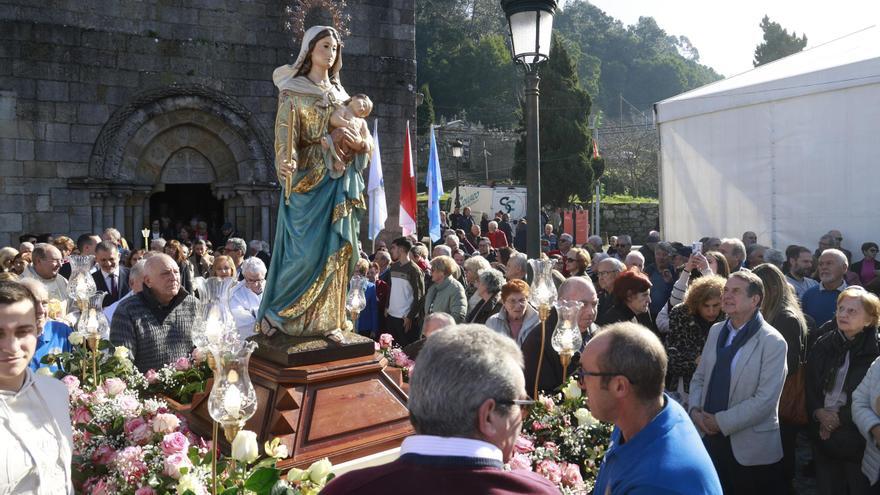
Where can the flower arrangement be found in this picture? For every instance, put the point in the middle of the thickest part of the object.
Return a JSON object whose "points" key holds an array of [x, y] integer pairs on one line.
{"points": [[562, 441], [395, 355], [182, 379], [112, 362]]}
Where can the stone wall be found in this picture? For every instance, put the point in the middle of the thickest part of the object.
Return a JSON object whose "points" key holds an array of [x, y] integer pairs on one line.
{"points": [[635, 219], [89, 88]]}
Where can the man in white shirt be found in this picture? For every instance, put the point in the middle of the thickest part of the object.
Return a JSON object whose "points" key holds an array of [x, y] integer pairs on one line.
{"points": [[34, 415], [110, 277], [46, 264], [246, 296]]}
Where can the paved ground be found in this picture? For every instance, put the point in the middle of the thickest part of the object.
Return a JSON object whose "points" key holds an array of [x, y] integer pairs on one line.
{"points": [[802, 484]]}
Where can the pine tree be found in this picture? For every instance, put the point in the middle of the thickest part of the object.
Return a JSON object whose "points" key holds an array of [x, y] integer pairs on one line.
{"points": [[777, 43], [425, 111], [564, 109]]}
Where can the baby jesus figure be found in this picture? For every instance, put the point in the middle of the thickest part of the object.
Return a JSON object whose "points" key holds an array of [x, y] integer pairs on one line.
{"points": [[352, 116]]}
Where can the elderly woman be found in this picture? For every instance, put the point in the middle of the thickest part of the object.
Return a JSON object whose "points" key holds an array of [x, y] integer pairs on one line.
{"points": [[689, 324], [489, 284], [445, 294], [632, 296], [244, 302], [836, 364], [7, 256], [20, 263], [576, 262], [223, 267], [868, 267], [472, 267], [517, 317]]}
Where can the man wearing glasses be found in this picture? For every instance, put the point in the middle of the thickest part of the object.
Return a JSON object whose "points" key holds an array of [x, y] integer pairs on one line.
{"points": [[466, 429], [606, 272], [654, 446]]}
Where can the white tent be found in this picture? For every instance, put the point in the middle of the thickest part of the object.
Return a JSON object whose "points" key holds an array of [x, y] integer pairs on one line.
{"points": [[788, 150]]}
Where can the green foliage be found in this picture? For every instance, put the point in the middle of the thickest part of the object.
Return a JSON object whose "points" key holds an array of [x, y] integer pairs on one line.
{"points": [[425, 111], [564, 109], [777, 43], [625, 198]]}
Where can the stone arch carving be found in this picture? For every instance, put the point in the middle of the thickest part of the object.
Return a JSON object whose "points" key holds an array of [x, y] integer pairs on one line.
{"points": [[140, 137]]}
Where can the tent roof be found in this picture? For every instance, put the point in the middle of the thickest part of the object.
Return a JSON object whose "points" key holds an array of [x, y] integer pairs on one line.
{"points": [[852, 60]]}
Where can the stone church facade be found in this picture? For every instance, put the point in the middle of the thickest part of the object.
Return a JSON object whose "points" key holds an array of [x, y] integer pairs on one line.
{"points": [[117, 112]]}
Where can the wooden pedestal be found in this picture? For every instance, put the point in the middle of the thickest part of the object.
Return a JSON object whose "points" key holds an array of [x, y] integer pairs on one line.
{"points": [[341, 409]]}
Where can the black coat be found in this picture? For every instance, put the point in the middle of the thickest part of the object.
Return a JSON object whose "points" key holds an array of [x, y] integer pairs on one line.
{"points": [[551, 365], [617, 313], [121, 285], [484, 309]]}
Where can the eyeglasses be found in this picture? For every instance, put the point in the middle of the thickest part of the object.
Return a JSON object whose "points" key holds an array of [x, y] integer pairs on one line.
{"points": [[581, 374], [525, 405], [612, 272]]}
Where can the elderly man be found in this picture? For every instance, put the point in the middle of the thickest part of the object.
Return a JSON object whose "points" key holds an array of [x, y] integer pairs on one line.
{"points": [[45, 267], [820, 302], [635, 259], [573, 289], [433, 323], [837, 243], [157, 245], [496, 236], [755, 255], [623, 246], [648, 249], [110, 277], [517, 267], [734, 393], [606, 272], [235, 249], [563, 244], [246, 297], [441, 250], [113, 236], [452, 242], [622, 371], [261, 250], [749, 238], [466, 429], [157, 324], [26, 248], [734, 251], [35, 425], [135, 285]]}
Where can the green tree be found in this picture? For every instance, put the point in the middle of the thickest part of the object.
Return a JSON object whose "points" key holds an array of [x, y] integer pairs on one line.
{"points": [[564, 109], [425, 111], [777, 43]]}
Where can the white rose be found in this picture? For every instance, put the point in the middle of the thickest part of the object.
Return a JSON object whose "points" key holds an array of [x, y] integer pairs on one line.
{"points": [[244, 447], [45, 371], [572, 390], [165, 423], [190, 482], [319, 470], [75, 338], [584, 417], [121, 352], [297, 474], [276, 449]]}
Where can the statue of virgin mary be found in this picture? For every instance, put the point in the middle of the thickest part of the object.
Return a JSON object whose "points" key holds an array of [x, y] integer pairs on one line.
{"points": [[316, 247]]}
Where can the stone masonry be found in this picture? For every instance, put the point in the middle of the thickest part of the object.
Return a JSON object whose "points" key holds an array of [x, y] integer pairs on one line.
{"points": [[104, 102]]}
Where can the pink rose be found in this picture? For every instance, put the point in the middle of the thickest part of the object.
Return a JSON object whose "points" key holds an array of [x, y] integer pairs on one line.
{"points": [[182, 364], [103, 455], [521, 462], [174, 462], [548, 402], [199, 356], [81, 415], [72, 383], [524, 445], [174, 442], [385, 340], [113, 386], [145, 490], [401, 360], [103, 487], [550, 470], [571, 475], [165, 423], [128, 404], [151, 376], [138, 431], [537, 425], [130, 464]]}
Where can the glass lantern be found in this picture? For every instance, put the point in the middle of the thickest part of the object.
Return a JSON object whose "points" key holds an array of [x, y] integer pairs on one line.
{"points": [[218, 324], [233, 399], [543, 290]]}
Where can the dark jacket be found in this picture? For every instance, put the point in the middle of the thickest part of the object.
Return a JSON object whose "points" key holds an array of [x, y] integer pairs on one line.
{"points": [[795, 336], [823, 359], [551, 366], [484, 309], [684, 344], [121, 285], [620, 312]]}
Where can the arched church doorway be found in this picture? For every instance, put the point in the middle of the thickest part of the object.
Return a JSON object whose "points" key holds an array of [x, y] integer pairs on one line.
{"points": [[183, 204]]}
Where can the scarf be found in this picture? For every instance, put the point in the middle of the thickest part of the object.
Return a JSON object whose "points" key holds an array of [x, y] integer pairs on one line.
{"points": [[718, 392], [841, 346]]}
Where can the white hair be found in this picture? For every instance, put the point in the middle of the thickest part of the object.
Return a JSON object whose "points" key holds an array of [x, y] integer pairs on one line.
{"points": [[253, 266], [444, 250], [633, 256]]}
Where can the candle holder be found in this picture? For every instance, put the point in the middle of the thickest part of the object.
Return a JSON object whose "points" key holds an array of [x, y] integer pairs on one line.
{"points": [[356, 301], [566, 339], [542, 296], [145, 232], [233, 399], [92, 325]]}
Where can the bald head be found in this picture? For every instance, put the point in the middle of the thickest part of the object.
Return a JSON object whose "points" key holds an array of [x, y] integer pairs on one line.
{"points": [[47, 260], [581, 289], [162, 277]]}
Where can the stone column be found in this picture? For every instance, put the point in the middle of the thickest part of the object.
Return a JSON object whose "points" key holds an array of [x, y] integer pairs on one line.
{"points": [[109, 203], [264, 216], [97, 200], [119, 212], [137, 221]]}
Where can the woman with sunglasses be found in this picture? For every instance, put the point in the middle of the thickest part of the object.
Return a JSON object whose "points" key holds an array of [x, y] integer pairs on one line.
{"points": [[576, 262], [868, 268]]}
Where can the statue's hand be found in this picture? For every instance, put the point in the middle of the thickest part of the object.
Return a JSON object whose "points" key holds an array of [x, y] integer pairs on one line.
{"points": [[286, 169]]}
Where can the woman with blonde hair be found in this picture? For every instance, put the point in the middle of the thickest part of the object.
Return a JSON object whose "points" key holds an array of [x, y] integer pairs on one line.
{"points": [[223, 267], [836, 365], [576, 262], [7, 255], [446, 294], [65, 245]]}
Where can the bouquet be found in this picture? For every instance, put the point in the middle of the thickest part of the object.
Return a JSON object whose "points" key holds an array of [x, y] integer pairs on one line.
{"points": [[78, 363], [562, 441], [395, 355], [181, 379]]}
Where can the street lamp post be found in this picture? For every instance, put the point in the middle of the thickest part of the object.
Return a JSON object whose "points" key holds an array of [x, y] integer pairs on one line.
{"points": [[457, 147], [531, 26]]}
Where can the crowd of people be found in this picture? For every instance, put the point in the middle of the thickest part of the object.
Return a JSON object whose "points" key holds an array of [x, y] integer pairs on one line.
{"points": [[754, 345]]}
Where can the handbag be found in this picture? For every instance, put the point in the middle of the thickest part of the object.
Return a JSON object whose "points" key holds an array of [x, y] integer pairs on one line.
{"points": [[793, 402]]}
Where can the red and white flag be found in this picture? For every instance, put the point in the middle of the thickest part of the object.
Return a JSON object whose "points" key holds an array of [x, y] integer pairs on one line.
{"points": [[407, 189]]}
